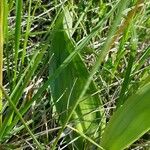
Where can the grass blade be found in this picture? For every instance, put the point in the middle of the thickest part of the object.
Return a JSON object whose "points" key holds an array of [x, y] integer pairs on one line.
{"points": [[1, 55], [86, 137], [27, 32], [127, 77], [131, 120], [17, 34]]}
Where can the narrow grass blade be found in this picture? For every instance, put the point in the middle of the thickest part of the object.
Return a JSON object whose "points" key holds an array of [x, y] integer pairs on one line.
{"points": [[1, 55], [17, 35], [121, 50], [142, 59], [27, 32], [127, 77], [86, 137]]}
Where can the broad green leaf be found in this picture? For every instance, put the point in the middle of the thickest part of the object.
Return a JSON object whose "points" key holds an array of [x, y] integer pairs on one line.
{"points": [[89, 79], [68, 85], [129, 122]]}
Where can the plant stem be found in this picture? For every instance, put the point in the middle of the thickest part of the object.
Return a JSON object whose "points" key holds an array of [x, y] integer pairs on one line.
{"points": [[1, 55]]}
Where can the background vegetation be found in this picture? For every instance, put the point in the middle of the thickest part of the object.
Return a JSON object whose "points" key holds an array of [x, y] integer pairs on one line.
{"points": [[74, 74]]}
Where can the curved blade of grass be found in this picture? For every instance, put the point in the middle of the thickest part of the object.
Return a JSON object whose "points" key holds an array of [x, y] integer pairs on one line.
{"points": [[20, 117], [121, 50], [131, 121]]}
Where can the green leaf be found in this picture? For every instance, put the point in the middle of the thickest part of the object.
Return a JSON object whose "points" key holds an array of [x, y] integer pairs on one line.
{"points": [[100, 58], [68, 85], [129, 122]]}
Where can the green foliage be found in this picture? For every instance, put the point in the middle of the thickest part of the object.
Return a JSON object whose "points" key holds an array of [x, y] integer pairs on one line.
{"points": [[71, 66], [68, 85]]}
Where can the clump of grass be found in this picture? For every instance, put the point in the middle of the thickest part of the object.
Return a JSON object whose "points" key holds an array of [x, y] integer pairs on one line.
{"points": [[74, 72]]}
